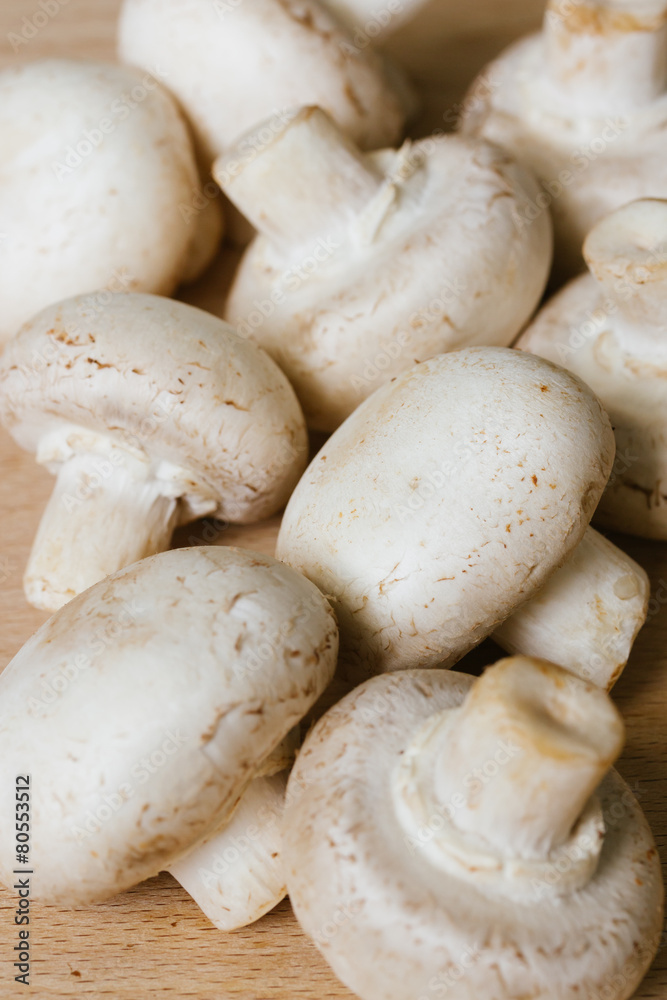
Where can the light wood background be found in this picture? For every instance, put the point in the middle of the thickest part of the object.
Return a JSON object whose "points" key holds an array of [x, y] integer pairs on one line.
{"points": [[153, 941]]}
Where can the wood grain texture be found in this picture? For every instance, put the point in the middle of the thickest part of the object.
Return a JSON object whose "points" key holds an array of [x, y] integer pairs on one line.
{"points": [[153, 940]]}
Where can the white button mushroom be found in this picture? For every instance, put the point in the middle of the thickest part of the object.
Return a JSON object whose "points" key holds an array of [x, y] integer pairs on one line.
{"points": [[445, 502], [97, 170], [368, 263], [143, 708], [234, 64], [585, 105], [448, 834], [152, 413], [609, 328]]}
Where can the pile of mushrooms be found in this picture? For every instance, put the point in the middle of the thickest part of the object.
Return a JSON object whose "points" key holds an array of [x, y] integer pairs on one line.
{"points": [[257, 725]]}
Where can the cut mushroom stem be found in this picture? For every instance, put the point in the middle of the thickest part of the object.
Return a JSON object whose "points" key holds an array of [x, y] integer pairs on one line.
{"points": [[307, 182], [587, 615], [627, 253], [608, 55], [102, 515], [521, 757]]}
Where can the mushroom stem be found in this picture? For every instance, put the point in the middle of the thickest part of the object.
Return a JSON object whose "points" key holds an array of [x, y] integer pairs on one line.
{"points": [[627, 253], [587, 615], [519, 760], [303, 182], [102, 515], [236, 875], [607, 55], [372, 20]]}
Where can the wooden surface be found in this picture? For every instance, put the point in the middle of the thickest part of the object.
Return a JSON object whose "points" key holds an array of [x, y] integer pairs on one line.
{"points": [[154, 940]]}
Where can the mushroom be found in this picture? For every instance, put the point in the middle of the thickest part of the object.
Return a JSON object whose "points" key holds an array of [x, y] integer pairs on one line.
{"points": [[609, 328], [151, 413], [446, 502], [584, 104], [589, 611], [97, 170], [232, 64], [448, 834], [367, 263], [143, 708]]}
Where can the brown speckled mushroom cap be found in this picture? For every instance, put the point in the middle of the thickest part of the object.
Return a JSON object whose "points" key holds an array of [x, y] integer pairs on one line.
{"points": [[142, 709], [395, 926], [162, 379], [445, 501]]}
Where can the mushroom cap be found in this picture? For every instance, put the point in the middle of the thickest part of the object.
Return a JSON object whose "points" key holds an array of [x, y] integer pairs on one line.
{"points": [[142, 709], [97, 166], [167, 380], [589, 164], [393, 927], [232, 65], [445, 501], [447, 268], [576, 329]]}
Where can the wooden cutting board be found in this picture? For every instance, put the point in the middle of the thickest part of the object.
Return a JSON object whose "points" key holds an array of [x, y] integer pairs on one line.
{"points": [[153, 940]]}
